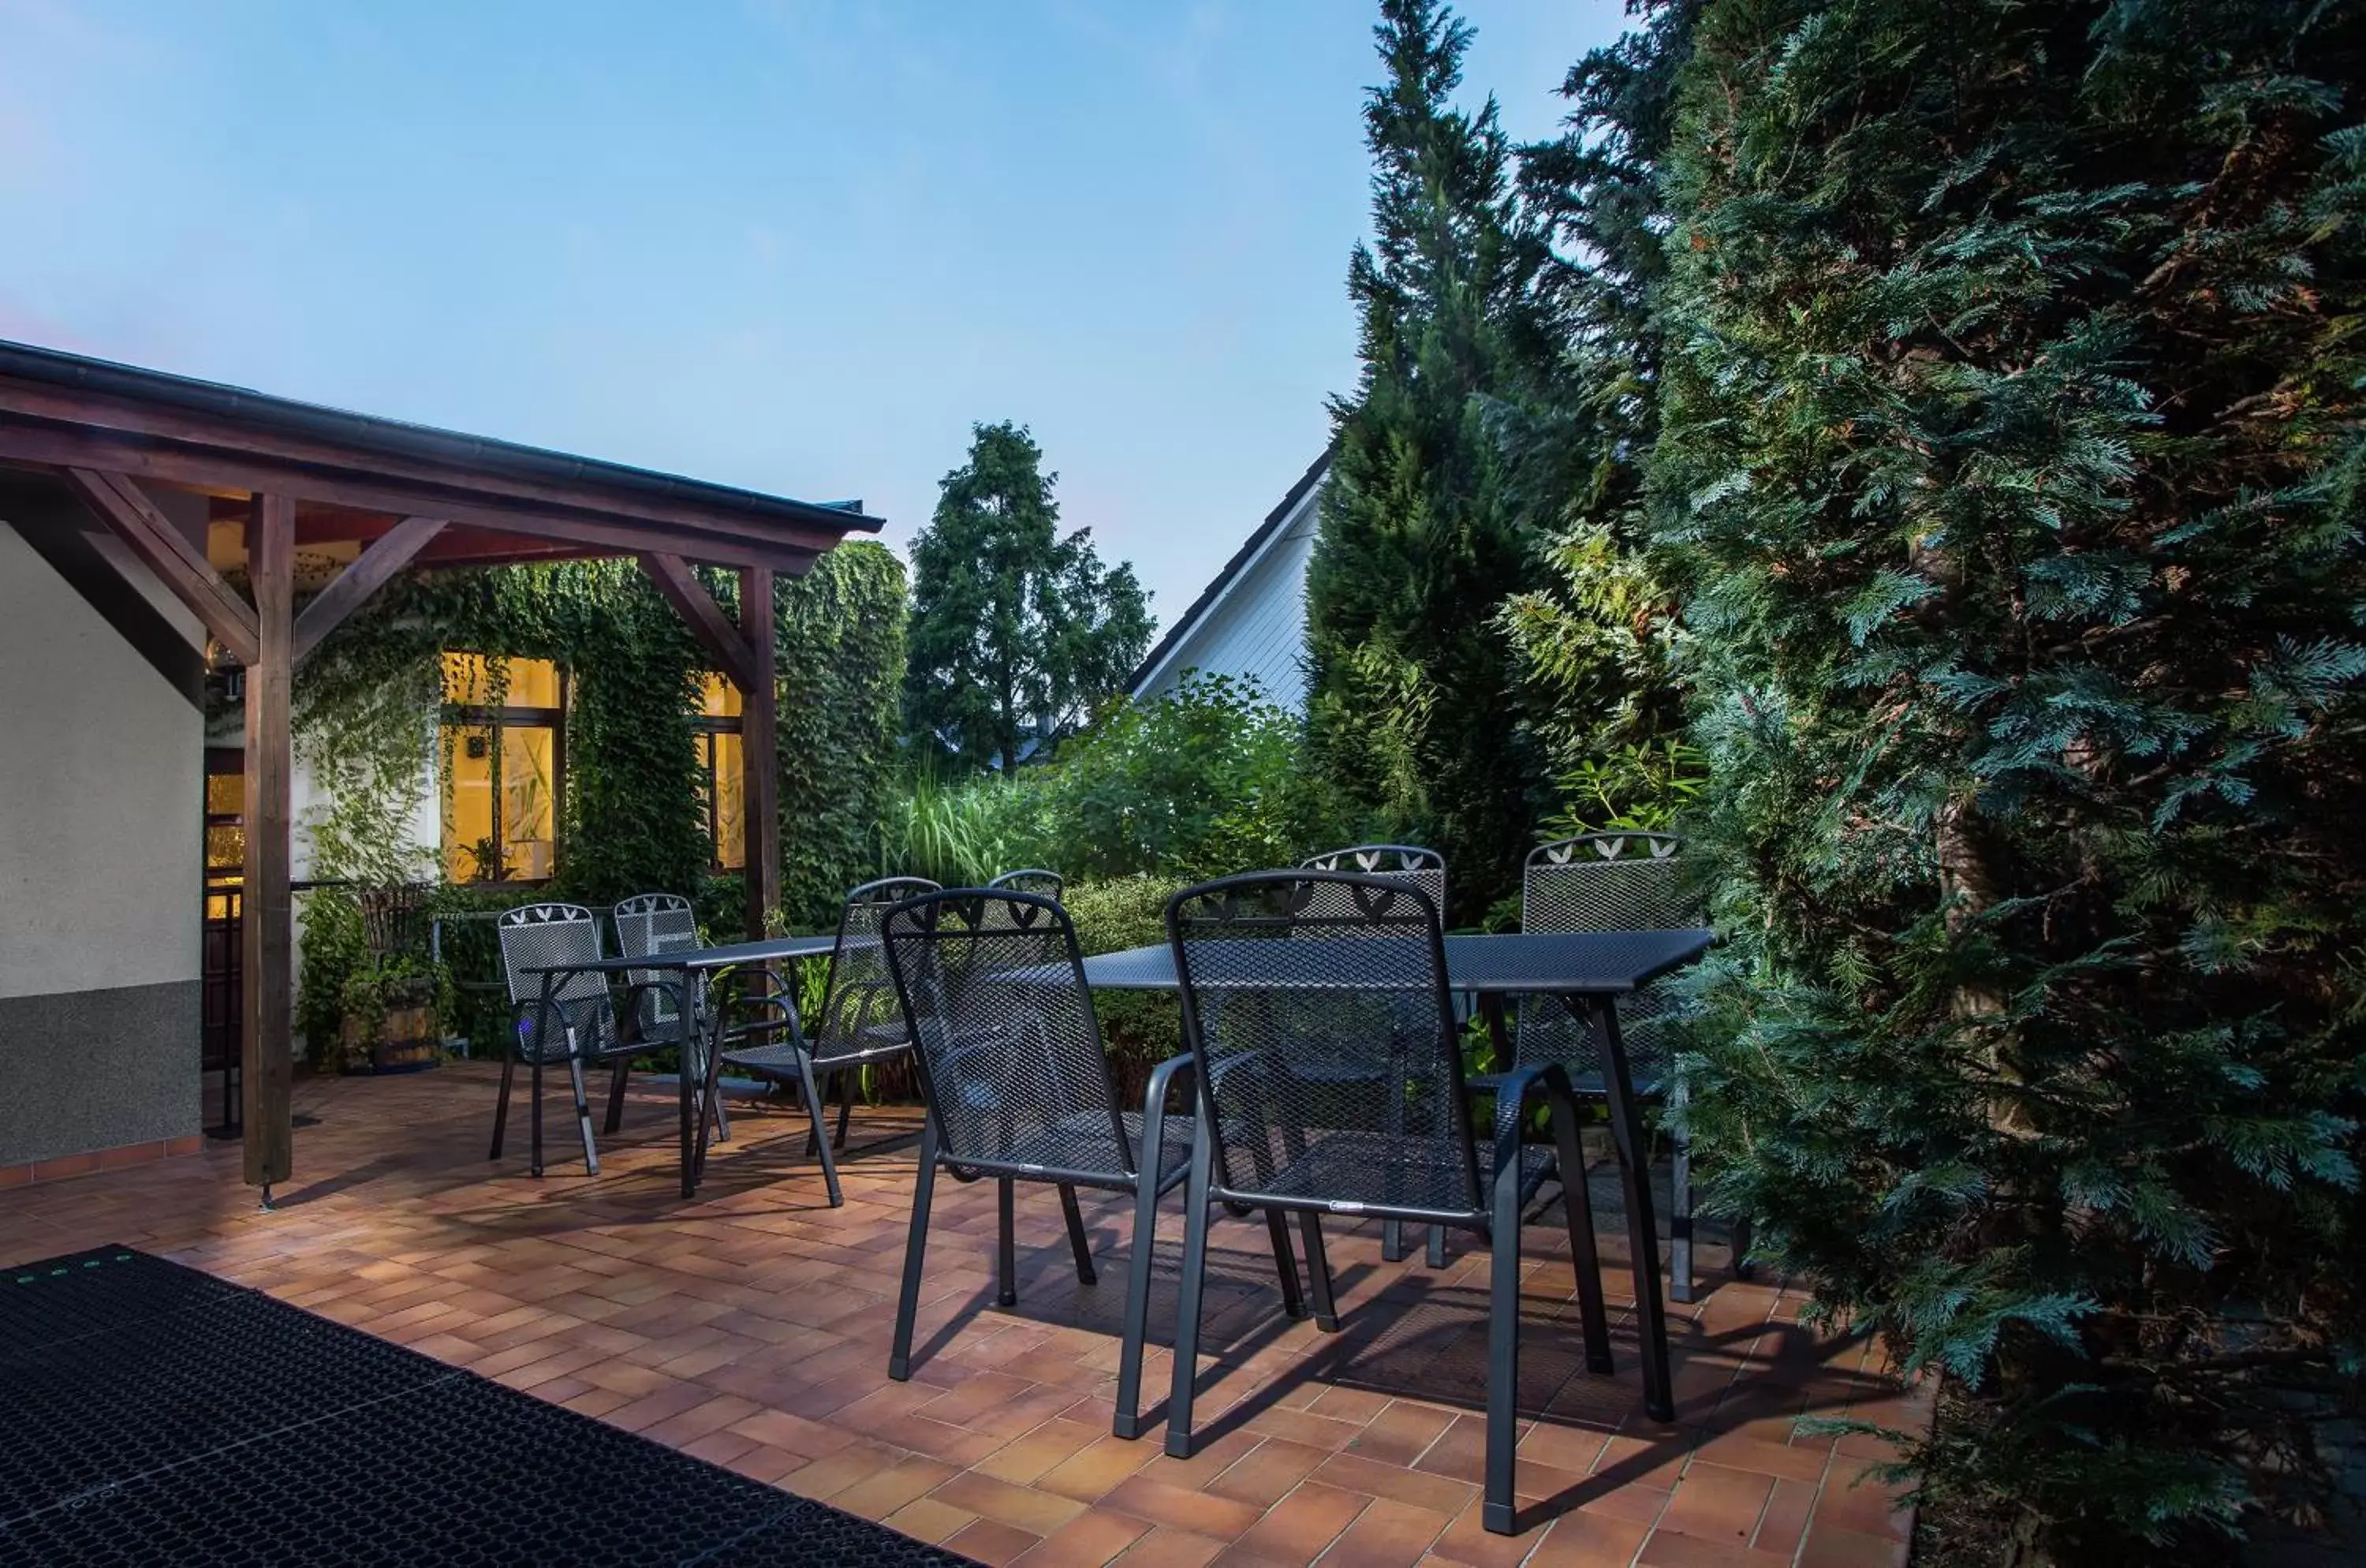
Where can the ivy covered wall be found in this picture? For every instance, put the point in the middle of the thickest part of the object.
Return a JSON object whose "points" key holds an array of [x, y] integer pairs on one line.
{"points": [[631, 818]]}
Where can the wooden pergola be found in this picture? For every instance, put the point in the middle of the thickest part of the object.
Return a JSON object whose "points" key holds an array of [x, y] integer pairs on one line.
{"points": [[395, 497]]}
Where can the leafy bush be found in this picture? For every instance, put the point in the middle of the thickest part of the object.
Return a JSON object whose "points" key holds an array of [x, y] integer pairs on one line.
{"points": [[1139, 1029]]}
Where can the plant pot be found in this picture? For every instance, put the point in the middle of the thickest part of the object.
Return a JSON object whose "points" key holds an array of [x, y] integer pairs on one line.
{"points": [[405, 1037]]}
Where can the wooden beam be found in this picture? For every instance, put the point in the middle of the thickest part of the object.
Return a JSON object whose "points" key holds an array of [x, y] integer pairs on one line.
{"points": [[178, 565], [566, 483], [371, 570], [759, 755], [46, 445], [707, 623], [267, 917]]}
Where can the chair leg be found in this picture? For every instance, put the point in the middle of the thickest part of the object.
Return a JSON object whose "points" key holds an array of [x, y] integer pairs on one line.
{"points": [[1742, 1268], [1437, 1246], [1318, 1271], [817, 1101], [1077, 1242], [1128, 1422], [501, 1105], [623, 1070], [815, 1141], [534, 1117], [1680, 1222], [1196, 1220], [916, 1244], [1006, 1248], [846, 1086], [1392, 1246], [1285, 1263], [582, 1115], [1496, 1505], [721, 1117]]}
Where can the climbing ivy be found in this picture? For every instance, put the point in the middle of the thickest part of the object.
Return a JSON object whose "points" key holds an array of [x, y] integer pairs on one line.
{"points": [[632, 820]]}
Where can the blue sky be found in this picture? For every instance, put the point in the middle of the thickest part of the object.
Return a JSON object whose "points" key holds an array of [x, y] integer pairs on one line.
{"points": [[794, 244]]}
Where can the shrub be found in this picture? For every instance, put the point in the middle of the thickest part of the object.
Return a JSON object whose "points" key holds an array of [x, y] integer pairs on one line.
{"points": [[1139, 1029]]}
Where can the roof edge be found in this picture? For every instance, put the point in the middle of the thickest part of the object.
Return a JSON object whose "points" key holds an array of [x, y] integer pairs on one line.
{"points": [[1248, 551], [31, 362]]}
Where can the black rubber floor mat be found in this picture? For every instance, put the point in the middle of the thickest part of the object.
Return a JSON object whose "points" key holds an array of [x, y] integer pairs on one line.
{"points": [[214, 1424]]}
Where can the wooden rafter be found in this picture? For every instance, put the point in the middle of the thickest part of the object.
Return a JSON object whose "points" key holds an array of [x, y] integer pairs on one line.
{"points": [[371, 570], [148, 535], [707, 623]]}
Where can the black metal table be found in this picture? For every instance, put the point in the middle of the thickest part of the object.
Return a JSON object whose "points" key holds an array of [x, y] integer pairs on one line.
{"points": [[699, 1088], [1593, 967]]}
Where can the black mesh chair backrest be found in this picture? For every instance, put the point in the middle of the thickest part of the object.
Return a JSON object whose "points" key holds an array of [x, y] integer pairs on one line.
{"points": [[1286, 971], [1010, 1057], [534, 936], [650, 923], [1602, 882], [860, 1015], [1046, 884], [1424, 869]]}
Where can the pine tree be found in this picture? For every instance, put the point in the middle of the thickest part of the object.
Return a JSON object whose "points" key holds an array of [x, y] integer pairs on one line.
{"points": [[1418, 544], [1017, 629], [1594, 641], [2010, 452]]}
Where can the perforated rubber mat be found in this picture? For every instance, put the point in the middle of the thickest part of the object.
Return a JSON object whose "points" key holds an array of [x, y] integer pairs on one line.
{"points": [[150, 1413]]}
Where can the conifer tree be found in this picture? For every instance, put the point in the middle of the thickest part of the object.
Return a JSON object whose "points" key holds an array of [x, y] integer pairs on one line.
{"points": [[1017, 628], [2011, 455], [1418, 545], [1593, 639]]}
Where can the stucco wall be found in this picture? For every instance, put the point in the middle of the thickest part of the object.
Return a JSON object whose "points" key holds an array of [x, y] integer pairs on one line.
{"points": [[99, 851]]}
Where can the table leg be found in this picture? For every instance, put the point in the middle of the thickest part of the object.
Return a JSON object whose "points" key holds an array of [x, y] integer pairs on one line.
{"points": [[1499, 1033], [694, 1113], [710, 1109], [1643, 1225]]}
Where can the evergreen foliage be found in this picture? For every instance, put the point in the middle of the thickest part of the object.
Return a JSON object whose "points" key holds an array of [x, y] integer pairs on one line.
{"points": [[1596, 639], [1017, 629], [1419, 540], [2009, 460]]}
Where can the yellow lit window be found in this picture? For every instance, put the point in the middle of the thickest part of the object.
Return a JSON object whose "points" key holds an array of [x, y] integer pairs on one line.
{"points": [[504, 726], [722, 785]]}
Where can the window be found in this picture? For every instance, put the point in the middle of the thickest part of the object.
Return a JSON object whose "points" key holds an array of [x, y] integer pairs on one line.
{"points": [[225, 830], [504, 749], [722, 786]]}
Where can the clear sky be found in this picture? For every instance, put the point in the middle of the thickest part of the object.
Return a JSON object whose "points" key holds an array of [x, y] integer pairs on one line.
{"points": [[799, 246]]}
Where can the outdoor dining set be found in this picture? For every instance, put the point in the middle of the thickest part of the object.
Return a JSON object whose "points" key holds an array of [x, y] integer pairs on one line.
{"points": [[1324, 1073]]}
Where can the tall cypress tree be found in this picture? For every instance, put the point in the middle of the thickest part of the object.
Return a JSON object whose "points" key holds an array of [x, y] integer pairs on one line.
{"points": [[2011, 450], [1593, 641], [1418, 542]]}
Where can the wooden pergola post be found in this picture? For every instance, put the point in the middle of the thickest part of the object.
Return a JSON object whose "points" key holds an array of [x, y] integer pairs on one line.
{"points": [[759, 755], [267, 917]]}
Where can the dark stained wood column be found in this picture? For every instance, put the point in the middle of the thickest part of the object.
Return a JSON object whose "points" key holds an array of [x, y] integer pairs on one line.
{"points": [[269, 924], [759, 754]]}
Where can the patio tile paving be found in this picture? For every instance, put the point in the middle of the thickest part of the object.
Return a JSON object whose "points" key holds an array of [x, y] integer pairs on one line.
{"points": [[751, 1327]]}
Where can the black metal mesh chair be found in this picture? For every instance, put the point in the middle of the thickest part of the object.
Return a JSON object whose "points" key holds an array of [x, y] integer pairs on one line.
{"points": [[1417, 867], [554, 1018], [1045, 883], [1278, 968], [648, 924], [1610, 881], [861, 1022], [1019, 1089]]}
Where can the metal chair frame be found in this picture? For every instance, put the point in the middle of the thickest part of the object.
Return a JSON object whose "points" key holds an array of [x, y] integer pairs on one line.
{"points": [[1424, 869], [949, 1025], [1034, 879], [839, 1046], [1491, 1199], [1614, 881], [648, 924], [582, 1007]]}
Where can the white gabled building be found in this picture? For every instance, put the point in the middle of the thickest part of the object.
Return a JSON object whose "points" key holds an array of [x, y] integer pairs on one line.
{"points": [[1251, 621]]}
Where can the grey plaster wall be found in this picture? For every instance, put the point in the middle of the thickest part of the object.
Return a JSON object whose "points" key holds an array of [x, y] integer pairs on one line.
{"points": [[95, 1069]]}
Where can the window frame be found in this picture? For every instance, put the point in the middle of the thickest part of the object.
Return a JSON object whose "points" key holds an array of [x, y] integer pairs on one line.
{"points": [[493, 720], [707, 724]]}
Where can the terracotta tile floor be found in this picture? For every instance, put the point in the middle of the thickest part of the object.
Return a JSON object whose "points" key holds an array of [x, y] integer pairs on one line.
{"points": [[751, 1327]]}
